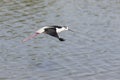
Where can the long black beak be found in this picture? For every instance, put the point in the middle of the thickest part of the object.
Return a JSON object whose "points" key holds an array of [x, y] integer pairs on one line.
{"points": [[71, 30]]}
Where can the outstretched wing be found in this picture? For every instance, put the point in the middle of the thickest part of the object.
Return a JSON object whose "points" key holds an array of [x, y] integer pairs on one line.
{"points": [[52, 32]]}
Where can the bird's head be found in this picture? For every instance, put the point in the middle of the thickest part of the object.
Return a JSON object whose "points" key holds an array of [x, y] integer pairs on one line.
{"points": [[66, 28]]}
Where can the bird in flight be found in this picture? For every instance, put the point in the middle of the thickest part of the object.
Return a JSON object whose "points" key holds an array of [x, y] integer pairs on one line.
{"points": [[50, 30]]}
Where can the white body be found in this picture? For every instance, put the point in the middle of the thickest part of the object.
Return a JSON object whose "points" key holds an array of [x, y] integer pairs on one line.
{"points": [[60, 29]]}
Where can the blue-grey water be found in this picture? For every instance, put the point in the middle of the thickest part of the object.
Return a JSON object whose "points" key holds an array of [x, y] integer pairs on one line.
{"points": [[92, 52]]}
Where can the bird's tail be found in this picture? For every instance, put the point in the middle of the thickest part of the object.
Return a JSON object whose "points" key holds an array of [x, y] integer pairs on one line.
{"points": [[61, 39]]}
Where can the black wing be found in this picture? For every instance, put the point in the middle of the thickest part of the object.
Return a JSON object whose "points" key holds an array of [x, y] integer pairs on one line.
{"points": [[55, 26], [52, 32]]}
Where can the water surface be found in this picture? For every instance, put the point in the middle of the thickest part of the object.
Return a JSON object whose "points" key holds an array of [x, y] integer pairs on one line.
{"points": [[90, 52]]}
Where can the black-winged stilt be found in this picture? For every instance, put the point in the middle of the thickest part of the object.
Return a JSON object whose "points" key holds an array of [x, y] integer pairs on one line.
{"points": [[50, 30]]}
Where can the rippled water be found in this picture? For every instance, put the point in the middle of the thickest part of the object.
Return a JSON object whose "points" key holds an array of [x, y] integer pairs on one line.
{"points": [[95, 22]]}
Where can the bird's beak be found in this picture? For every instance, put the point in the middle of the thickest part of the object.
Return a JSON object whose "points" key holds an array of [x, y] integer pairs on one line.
{"points": [[30, 37], [70, 30]]}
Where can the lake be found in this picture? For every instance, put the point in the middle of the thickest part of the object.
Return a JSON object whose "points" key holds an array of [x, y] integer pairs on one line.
{"points": [[92, 52]]}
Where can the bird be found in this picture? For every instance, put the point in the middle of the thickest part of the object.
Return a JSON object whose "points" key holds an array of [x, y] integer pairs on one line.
{"points": [[50, 30]]}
